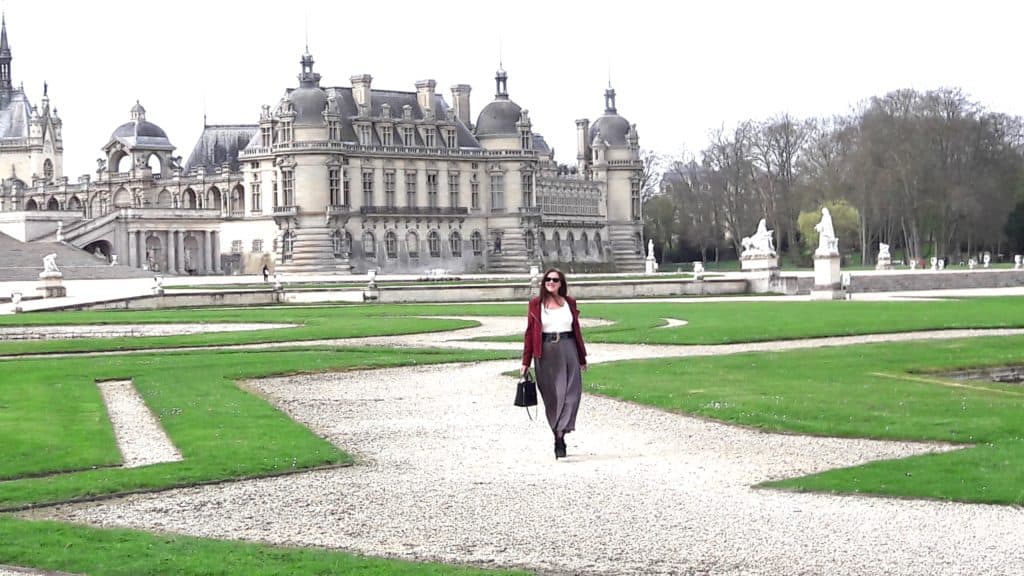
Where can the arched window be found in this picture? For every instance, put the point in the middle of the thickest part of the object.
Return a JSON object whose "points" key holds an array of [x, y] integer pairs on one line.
{"points": [[530, 243], [188, 199], [556, 241], [477, 241], [163, 200], [288, 244], [52, 204], [638, 244], [341, 242], [31, 205], [571, 241], [543, 238], [586, 244], [74, 203], [455, 243], [48, 170], [412, 244], [434, 244], [598, 245], [391, 244], [369, 245]]}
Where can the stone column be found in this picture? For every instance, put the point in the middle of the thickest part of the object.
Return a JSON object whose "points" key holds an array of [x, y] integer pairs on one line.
{"points": [[140, 250], [215, 251], [207, 253], [172, 256], [133, 256], [181, 250]]}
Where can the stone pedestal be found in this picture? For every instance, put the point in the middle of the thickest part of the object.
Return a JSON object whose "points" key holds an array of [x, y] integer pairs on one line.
{"points": [[53, 286], [758, 262], [650, 265], [883, 263], [827, 281]]}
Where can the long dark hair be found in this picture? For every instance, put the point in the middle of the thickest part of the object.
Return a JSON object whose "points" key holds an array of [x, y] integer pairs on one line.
{"points": [[563, 288]]}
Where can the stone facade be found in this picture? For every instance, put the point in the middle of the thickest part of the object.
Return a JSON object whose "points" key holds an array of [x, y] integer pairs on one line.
{"points": [[339, 179]]}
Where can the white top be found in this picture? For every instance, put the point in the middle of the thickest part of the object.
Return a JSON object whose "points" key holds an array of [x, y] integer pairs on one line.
{"points": [[556, 319]]}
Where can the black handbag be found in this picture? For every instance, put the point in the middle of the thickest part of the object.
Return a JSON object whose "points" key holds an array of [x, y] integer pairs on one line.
{"points": [[526, 393]]}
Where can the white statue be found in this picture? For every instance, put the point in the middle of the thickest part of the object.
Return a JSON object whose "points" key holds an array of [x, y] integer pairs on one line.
{"points": [[50, 263], [883, 251], [986, 259], [760, 242], [827, 241], [650, 249]]}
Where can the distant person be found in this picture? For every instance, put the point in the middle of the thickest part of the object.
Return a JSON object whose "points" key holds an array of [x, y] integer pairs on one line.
{"points": [[266, 274], [554, 343]]}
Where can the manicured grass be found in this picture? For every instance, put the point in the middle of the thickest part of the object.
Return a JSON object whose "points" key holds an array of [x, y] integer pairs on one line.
{"points": [[634, 323], [222, 431], [315, 323], [79, 549], [873, 391]]}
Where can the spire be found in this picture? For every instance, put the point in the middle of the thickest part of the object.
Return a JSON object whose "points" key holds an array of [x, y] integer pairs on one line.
{"points": [[5, 63]]}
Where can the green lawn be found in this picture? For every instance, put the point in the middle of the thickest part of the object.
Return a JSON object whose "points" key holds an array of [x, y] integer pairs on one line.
{"points": [[52, 418], [873, 391], [79, 549], [708, 323]]}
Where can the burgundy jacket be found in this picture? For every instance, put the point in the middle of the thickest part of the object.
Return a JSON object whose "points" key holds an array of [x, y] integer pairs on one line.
{"points": [[532, 340]]}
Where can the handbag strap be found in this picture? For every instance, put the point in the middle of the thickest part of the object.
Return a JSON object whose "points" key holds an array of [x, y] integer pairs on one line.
{"points": [[529, 378]]}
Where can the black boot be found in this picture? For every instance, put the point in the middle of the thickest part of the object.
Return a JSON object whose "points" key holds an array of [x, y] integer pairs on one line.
{"points": [[559, 448]]}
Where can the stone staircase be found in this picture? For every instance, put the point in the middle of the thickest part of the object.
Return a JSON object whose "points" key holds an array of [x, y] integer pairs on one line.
{"points": [[312, 253], [512, 259], [624, 253], [23, 261]]}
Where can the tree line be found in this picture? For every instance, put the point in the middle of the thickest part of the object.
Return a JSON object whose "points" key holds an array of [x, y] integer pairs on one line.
{"points": [[929, 173]]}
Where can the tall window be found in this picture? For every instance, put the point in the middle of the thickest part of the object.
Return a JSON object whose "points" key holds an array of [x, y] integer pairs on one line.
{"points": [[455, 243], [434, 244], [586, 244], [334, 130], [453, 189], [286, 132], [364, 135], [474, 193], [530, 243], [367, 188], [526, 141], [266, 136], [334, 185], [391, 245], [288, 187], [287, 244], [412, 244], [526, 185], [449, 136], [48, 170], [257, 245], [236, 246], [408, 136], [410, 188], [369, 245], [634, 194], [385, 135], [389, 189], [432, 189], [428, 137], [274, 188], [477, 241], [497, 192], [257, 197], [346, 191]]}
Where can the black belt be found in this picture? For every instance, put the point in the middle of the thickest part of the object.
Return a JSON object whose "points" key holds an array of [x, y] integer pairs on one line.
{"points": [[556, 336]]}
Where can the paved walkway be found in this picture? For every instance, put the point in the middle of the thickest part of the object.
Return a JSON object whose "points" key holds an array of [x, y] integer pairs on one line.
{"points": [[447, 470]]}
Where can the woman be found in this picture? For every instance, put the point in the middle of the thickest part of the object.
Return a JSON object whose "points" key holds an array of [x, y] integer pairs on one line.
{"points": [[553, 339]]}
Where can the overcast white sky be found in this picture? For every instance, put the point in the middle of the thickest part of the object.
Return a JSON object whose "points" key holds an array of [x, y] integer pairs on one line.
{"points": [[680, 70]]}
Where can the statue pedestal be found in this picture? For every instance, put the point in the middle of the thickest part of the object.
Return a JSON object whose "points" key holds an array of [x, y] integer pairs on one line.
{"points": [[650, 265], [52, 285], [883, 263], [827, 282], [758, 262]]}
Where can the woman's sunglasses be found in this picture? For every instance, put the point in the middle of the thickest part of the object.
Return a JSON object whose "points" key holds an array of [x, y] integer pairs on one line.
{"points": [[553, 280]]}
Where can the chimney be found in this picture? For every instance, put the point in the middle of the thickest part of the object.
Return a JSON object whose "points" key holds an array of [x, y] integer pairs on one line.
{"points": [[361, 91], [425, 96], [582, 128], [460, 100]]}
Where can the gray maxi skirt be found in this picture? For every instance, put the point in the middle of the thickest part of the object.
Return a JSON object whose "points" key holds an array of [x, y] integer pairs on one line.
{"points": [[560, 384]]}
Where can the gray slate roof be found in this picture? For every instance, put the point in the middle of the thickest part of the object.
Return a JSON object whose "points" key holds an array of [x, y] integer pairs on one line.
{"points": [[14, 117], [220, 144]]}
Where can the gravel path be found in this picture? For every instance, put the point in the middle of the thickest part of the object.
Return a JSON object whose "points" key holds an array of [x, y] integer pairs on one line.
{"points": [[140, 437], [448, 470]]}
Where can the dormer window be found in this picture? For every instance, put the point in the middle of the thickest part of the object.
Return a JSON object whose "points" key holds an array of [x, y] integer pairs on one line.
{"points": [[385, 110], [286, 131], [408, 136], [450, 139], [364, 135], [385, 135], [527, 141], [267, 136], [428, 137], [407, 112], [334, 130]]}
